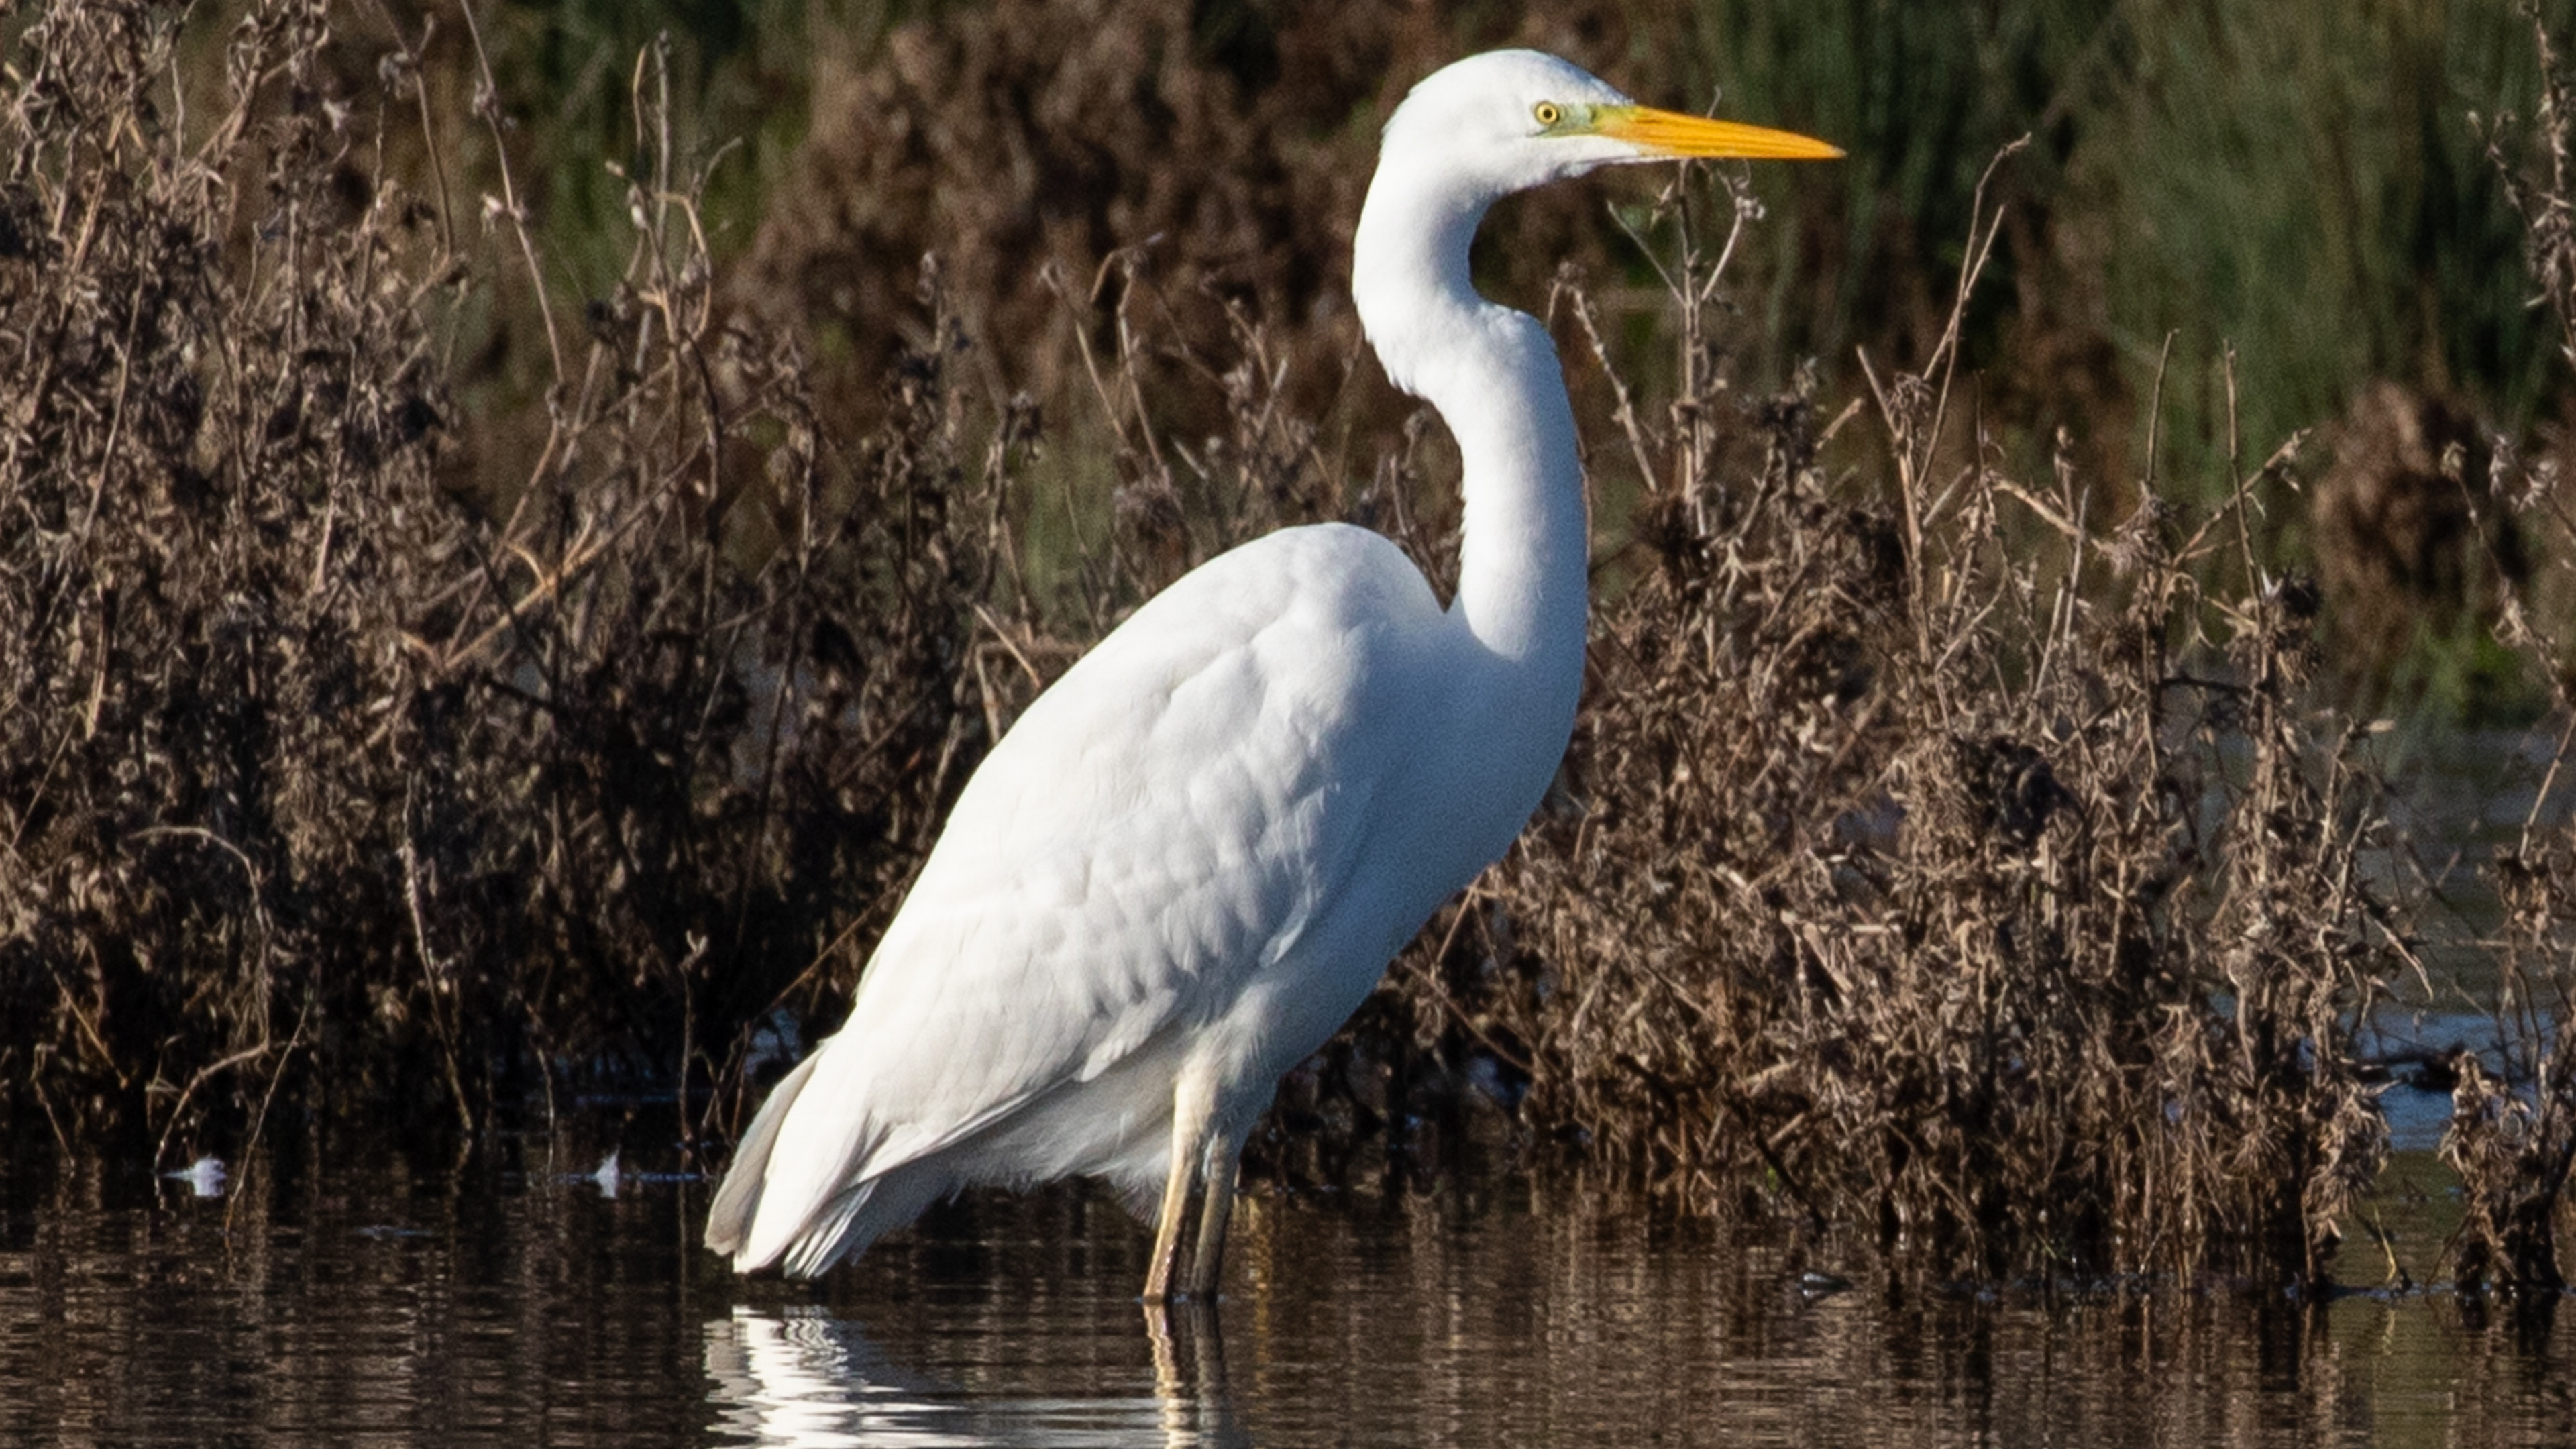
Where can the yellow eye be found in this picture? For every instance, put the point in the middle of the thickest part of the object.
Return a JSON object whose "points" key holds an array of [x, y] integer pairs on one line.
{"points": [[1547, 113]]}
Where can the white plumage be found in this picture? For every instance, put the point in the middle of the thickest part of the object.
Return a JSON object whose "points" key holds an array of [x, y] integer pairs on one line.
{"points": [[1193, 856]]}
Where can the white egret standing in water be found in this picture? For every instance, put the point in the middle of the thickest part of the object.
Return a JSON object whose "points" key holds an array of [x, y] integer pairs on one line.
{"points": [[1195, 853]]}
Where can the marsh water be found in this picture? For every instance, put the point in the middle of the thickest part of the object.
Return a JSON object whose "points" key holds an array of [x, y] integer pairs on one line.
{"points": [[511, 1294]]}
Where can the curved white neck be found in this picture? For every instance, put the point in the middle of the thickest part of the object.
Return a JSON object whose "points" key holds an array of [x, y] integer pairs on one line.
{"points": [[1492, 374]]}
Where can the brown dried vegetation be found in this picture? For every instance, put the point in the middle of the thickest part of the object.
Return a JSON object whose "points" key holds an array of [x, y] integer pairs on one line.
{"points": [[317, 774], [2512, 1134], [2026, 924]]}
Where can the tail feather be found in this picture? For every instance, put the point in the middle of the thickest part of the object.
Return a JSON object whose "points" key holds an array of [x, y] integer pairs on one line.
{"points": [[738, 1199], [825, 1238], [844, 1223], [863, 1213]]}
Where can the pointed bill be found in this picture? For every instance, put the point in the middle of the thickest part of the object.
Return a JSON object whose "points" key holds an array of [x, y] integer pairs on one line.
{"points": [[1670, 133]]}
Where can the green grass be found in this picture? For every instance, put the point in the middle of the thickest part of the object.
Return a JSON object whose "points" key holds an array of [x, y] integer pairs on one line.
{"points": [[2302, 183]]}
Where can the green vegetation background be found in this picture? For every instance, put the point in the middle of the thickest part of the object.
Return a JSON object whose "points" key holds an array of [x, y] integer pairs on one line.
{"points": [[2306, 184]]}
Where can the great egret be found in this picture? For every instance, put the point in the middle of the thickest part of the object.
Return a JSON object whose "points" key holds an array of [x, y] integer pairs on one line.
{"points": [[1194, 855]]}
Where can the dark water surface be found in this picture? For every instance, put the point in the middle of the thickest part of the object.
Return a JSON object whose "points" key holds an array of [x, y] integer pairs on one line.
{"points": [[498, 1298]]}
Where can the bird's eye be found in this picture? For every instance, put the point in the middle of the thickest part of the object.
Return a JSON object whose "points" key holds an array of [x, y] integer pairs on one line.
{"points": [[1547, 113]]}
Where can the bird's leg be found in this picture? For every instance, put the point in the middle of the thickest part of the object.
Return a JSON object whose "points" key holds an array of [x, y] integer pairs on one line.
{"points": [[1167, 1228], [1190, 1113], [1216, 1177]]}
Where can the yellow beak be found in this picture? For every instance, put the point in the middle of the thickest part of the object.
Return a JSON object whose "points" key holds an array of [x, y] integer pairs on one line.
{"points": [[1670, 133]]}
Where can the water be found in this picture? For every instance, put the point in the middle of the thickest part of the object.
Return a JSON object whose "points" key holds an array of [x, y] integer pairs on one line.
{"points": [[499, 1297]]}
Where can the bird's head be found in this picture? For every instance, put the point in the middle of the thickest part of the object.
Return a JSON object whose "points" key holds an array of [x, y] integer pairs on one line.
{"points": [[1512, 119], [1472, 133]]}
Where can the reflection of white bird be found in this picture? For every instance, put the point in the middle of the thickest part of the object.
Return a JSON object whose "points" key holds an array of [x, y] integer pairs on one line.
{"points": [[804, 1381], [800, 1380], [1195, 853]]}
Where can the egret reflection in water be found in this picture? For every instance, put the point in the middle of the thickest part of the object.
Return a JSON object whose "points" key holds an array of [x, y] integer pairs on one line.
{"points": [[807, 1379]]}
